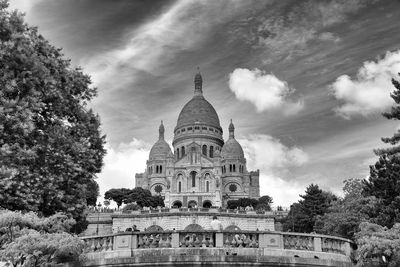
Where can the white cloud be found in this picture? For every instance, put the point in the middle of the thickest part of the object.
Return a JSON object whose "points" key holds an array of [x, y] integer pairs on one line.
{"points": [[274, 159], [369, 92], [24, 5], [121, 164], [263, 90]]}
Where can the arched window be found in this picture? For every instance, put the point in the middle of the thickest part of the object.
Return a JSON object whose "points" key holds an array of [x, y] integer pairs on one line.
{"points": [[207, 186], [160, 168], [157, 169], [211, 151], [230, 167], [193, 175], [183, 151], [177, 153], [179, 187], [204, 150], [234, 167]]}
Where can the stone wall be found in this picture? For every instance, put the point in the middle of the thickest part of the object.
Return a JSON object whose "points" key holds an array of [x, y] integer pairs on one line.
{"points": [[215, 248], [180, 221]]}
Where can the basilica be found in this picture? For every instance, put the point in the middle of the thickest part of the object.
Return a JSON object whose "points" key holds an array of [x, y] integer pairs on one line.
{"points": [[203, 170]]}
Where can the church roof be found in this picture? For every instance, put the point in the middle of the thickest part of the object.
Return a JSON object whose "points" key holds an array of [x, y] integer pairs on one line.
{"points": [[232, 149], [160, 149], [198, 110]]}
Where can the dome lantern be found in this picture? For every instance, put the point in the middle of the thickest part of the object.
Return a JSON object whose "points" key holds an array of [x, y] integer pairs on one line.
{"points": [[231, 130], [161, 131], [198, 84]]}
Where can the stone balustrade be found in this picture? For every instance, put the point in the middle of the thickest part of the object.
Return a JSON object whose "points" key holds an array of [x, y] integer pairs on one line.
{"points": [[98, 243], [191, 210], [212, 239]]}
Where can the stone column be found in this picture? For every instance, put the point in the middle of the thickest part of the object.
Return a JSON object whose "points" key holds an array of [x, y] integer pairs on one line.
{"points": [[317, 244], [175, 240], [219, 240]]}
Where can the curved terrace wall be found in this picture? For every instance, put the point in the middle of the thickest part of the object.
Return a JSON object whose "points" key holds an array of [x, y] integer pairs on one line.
{"points": [[210, 248], [179, 219]]}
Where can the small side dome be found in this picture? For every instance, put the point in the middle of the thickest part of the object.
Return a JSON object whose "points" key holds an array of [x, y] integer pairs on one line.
{"points": [[160, 149], [232, 149]]}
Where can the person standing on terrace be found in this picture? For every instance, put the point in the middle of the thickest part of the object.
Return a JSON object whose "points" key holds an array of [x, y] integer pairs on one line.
{"points": [[216, 224]]}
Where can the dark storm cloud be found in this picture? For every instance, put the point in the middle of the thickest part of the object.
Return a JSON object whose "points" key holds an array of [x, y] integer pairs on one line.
{"points": [[85, 28]]}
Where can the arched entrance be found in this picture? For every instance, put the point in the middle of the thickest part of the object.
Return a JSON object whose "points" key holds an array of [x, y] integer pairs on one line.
{"points": [[193, 227], [154, 228], [192, 204], [207, 204], [232, 228], [177, 204]]}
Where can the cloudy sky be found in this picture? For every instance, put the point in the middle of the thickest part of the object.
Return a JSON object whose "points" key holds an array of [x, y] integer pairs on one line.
{"points": [[305, 82]]}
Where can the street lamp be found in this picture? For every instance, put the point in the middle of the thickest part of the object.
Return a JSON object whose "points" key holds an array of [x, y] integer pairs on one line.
{"points": [[98, 218]]}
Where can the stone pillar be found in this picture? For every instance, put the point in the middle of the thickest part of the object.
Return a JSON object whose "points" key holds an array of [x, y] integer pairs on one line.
{"points": [[317, 244], [218, 198], [175, 240], [167, 198], [135, 241], [347, 249], [262, 241], [219, 240]]}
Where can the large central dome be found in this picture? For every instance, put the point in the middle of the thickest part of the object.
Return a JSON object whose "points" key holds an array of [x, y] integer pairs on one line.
{"points": [[198, 111]]}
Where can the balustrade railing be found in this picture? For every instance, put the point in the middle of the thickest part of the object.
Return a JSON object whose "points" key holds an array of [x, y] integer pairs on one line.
{"points": [[241, 240], [197, 239], [333, 245], [205, 210], [98, 243], [154, 240], [298, 242], [213, 239]]}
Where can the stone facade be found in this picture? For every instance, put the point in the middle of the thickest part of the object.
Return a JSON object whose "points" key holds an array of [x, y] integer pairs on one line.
{"points": [[191, 221], [202, 170]]}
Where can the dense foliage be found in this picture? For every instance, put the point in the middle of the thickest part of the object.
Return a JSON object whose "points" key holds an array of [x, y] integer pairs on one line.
{"points": [[378, 245], [30, 240], [118, 195], [143, 198], [345, 214], [50, 146], [302, 215], [263, 203], [140, 196], [384, 180]]}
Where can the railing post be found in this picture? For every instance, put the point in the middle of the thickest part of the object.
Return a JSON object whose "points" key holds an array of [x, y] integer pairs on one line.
{"points": [[134, 241], [175, 240], [219, 240], [317, 244], [270, 240], [347, 248], [262, 241]]}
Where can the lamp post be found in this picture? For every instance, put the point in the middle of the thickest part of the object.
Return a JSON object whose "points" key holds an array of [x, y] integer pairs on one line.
{"points": [[98, 218]]}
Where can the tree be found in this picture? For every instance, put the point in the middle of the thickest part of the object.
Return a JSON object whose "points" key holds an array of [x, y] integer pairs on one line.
{"points": [[27, 239], [91, 198], [345, 214], [118, 195], [50, 147], [384, 179], [264, 203], [302, 215], [378, 245], [242, 202], [143, 198]]}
